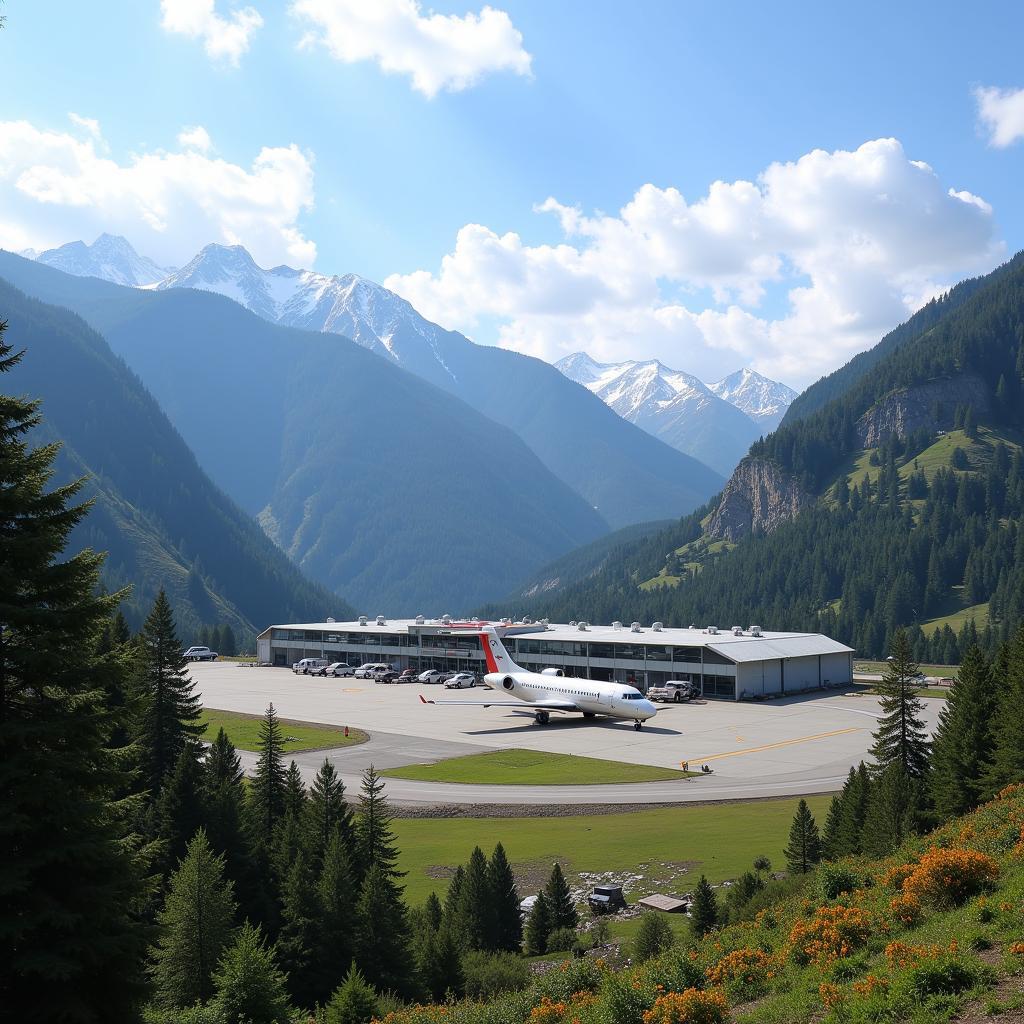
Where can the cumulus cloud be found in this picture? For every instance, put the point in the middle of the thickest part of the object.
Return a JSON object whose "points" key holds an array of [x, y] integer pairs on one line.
{"points": [[438, 51], [55, 187], [224, 38], [793, 272], [89, 124], [1001, 113], [195, 137]]}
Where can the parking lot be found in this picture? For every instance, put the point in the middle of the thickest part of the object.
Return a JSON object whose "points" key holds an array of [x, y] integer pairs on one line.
{"points": [[796, 745]]}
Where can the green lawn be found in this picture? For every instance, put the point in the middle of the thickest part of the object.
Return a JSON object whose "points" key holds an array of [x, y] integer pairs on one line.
{"points": [[957, 619], [533, 768], [244, 732], [718, 840]]}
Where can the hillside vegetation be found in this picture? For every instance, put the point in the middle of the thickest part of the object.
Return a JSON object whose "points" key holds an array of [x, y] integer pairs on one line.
{"points": [[896, 503]]}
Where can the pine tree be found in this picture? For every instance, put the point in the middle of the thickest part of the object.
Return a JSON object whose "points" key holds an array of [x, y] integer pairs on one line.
{"points": [[226, 643], [962, 743], [298, 941], [327, 813], [336, 917], [561, 911], [438, 963], [375, 840], [289, 835], [170, 706], [704, 911], [354, 1002], [267, 792], [195, 927], [381, 932], [538, 927], [69, 876], [901, 737], [181, 809], [453, 897], [506, 918], [853, 810], [892, 811], [804, 850], [249, 985], [475, 922], [432, 911], [1007, 759], [653, 937], [223, 765], [830, 833]]}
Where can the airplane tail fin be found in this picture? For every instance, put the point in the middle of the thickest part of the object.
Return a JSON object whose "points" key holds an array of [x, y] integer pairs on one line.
{"points": [[497, 658]]}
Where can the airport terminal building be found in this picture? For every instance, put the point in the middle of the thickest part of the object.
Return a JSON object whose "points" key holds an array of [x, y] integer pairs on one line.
{"points": [[728, 664]]}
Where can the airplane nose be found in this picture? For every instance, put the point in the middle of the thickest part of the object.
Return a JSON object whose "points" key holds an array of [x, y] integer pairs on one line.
{"points": [[649, 709]]}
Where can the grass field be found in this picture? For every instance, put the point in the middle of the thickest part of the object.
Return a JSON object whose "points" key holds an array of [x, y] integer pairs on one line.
{"points": [[662, 849], [533, 768], [244, 732]]}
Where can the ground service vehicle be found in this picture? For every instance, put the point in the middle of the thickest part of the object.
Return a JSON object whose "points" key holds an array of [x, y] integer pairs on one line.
{"points": [[309, 666], [200, 654], [676, 690]]}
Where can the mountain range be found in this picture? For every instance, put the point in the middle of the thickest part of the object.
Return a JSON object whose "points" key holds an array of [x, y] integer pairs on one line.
{"points": [[110, 257], [714, 423], [892, 495]]}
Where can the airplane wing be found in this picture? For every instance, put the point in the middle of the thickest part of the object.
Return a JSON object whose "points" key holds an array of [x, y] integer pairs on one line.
{"points": [[522, 705]]}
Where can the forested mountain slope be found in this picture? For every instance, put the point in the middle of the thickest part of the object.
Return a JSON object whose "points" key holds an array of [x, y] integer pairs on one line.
{"points": [[898, 502], [158, 515], [376, 483]]}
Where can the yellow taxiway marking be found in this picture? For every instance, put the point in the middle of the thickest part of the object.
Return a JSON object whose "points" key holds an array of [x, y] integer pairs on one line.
{"points": [[775, 746]]}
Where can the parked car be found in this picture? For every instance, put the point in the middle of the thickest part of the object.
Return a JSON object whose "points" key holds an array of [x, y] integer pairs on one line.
{"points": [[309, 666], [431, 675], [459, 680], [676, 690], [408, 675], [366, 670], [200, 654], [389, 675], [340, 668]]}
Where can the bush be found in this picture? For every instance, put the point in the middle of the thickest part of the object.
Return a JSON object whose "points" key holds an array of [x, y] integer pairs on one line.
{"points": [[674, 972], [834, 880], [947, 976], [948, 878], [690, 1007], [744, 973], [654, 936], [833, 932], [561, 940], [488, 974], [574, 976]]}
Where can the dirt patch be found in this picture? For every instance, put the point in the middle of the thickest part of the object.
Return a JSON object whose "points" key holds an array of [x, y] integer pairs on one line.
{"points": [[1007, 990], [441, 871]]}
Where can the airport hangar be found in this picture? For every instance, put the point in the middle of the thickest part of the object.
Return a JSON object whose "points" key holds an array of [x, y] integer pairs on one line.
{"points": [[730, 664]]}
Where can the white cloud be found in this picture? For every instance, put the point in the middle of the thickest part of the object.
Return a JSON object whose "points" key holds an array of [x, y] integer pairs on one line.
{"points": [[224, 38], [55, 187], [89, 124], [1001, 112], [195, 137], [439, 51], [841, 246]]}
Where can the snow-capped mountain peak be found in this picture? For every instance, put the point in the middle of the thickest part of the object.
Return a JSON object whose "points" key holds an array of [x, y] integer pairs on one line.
{"points": [[764, 400], [110, 257]]}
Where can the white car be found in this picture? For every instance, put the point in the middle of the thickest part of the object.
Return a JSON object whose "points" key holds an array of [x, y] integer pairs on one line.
{"points": [[339, 668], [432, 675], [370, 669], [459, 680], [200, 654]]}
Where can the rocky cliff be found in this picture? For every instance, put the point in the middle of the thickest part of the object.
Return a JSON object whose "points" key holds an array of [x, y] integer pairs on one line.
{"points": [[931, 406], [758, 497]]}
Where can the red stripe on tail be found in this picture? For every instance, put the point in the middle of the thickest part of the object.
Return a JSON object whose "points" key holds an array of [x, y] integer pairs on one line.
{"points": [[492, 665]]}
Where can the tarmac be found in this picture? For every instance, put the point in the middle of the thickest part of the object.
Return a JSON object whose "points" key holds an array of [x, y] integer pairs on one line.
{"points": [[795, 745]]}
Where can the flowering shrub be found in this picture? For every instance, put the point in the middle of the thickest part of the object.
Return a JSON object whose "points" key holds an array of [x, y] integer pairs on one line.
{"points": [[547, 1012], [948, 878], [1017, 948], [906, 908], [744, 972], [831, 995], [870, 985], [690, 1007], [902, 955], [895, 877], [833, 932]]}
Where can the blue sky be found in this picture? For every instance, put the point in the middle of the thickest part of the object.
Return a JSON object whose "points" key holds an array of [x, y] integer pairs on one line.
{"points": [[585, 103]]}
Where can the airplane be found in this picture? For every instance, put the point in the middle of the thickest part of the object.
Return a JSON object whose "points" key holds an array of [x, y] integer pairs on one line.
{"points": [[551, 690]]}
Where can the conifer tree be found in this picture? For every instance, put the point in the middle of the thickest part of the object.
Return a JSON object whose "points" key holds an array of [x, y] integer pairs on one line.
{"points": [[453, 897], [226, 644], [432, 911], [804, 850], [853, 810], [327, 813], [223, 765], [298, 940], [506, 919], [962, 743], [336, 917], [538, 927], [249, 985], [892, 811], [704, 912], [289, 834], [382, 949], [267, 792], [1007, 759], [561, 910], [181, 809], [901, 737], [653, 937], [375, 840], [355, 1001], [475, 923], [69, 876], [170, 707], [438, 963], [830, 833], [195, 927]]}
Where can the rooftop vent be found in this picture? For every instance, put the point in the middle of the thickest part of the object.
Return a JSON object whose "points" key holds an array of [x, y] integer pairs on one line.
{"points": [[755, 630], [381, 621], [635, 627], [737, 631], [527, 621], [543, 622], [362, 620], [713, 630], [446, 620], [657, 626], [331, 618], [506, 621], [616, 624], [691, 626], [572, 622], [419, 620], [582, 627]]}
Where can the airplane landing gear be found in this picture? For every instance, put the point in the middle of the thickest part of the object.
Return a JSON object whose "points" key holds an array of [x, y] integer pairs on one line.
{"points": [[590, 714], [543, 717], [638, 725]]}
